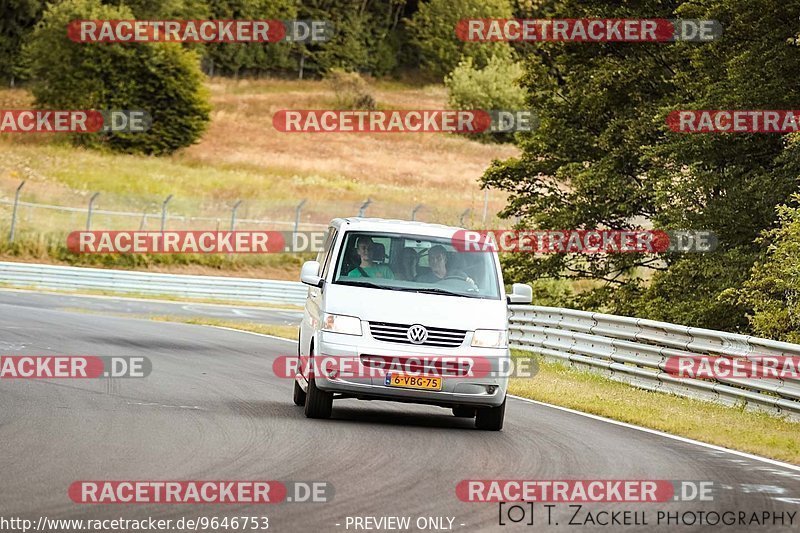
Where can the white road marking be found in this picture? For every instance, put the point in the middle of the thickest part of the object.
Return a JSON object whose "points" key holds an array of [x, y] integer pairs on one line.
{"points": [[789, 466]]}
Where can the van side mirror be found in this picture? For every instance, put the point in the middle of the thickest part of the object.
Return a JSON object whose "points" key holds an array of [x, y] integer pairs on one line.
{"points": [[309, 274], [520, 294]]}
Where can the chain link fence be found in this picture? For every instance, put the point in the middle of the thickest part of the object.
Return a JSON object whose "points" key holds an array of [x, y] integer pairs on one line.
{"points": [[18, 213]]}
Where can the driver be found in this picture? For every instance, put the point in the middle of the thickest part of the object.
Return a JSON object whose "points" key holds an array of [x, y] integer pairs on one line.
{"points": [[437, 259]]}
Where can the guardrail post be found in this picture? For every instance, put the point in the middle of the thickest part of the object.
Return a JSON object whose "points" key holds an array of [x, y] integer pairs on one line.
{"points": [[364, 207], [461, 218], [164, 212], [233, 214], [89, 211], [414, 212], [297, 214], [14, 212]]}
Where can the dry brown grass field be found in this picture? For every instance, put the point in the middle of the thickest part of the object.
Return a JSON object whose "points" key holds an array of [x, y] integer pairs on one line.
{"points": [[243, 157]]}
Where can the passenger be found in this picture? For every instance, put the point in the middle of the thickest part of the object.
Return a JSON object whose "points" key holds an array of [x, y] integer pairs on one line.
{"points": [[368, 268], [407, 265]]}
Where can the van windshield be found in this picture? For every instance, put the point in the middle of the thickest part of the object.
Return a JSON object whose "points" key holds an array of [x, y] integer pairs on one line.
{"points": [[415, 263]]}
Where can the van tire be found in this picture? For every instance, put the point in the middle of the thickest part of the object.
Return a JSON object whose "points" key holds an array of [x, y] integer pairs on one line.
{"points": [[491, 418], [318, 402], [298, 395]]}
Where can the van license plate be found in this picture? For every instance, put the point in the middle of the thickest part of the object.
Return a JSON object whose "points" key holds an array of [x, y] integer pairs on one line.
{"points": [[413, 382]]}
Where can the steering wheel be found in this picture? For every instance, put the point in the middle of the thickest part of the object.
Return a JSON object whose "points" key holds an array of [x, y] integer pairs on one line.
{"points": [[471, 285]]}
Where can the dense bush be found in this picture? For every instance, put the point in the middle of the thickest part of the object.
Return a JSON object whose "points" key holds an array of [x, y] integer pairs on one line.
{"points": [[350, 90], [773, 291], [493, 87], [162, 78]]}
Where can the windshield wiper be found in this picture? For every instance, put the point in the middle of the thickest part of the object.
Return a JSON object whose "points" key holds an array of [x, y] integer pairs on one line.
{"points": [[367, 284], [435, 290]]}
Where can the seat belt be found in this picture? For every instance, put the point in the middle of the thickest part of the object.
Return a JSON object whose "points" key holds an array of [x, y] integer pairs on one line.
{"points": [[362, 272]]}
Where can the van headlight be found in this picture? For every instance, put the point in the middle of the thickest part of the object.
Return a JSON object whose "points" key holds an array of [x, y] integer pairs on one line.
{"points": [[490, 338], [347, 325]]}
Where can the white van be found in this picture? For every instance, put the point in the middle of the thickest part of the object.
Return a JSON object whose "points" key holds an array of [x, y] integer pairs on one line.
{"points": [[384, 291]]}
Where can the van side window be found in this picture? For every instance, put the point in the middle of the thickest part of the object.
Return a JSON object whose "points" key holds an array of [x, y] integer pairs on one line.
{"points": [[326, 251]]}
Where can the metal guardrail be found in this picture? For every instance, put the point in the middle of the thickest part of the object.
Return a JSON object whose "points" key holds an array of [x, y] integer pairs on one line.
{"points": [[635, 351], [125, 281]]}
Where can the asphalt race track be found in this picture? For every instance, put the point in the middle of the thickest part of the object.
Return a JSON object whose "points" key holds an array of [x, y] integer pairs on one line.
{"points": [[213, 410]]}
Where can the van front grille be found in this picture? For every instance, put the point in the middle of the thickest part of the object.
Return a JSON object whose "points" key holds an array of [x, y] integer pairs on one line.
{"points": [[437, 337]]}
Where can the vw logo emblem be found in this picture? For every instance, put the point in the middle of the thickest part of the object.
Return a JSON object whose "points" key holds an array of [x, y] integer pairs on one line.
{"points": [[417, 334]]}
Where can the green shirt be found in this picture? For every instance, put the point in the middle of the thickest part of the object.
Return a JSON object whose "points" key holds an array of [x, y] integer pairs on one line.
{"points": [[375, 271]]}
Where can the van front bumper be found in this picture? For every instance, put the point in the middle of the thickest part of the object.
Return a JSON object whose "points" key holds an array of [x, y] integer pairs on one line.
{"points": [[488, 389]]}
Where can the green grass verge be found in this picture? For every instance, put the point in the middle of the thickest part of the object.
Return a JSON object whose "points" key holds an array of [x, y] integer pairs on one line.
{"points": [[276, 330], [735, 428]]}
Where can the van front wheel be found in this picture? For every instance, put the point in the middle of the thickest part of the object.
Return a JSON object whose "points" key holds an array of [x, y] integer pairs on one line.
{"points": [[318, 402], [491, 418]]}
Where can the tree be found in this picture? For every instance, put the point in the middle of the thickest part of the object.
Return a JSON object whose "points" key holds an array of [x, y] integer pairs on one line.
{"points": [[251, 58], [17, 18], [603, 157], [432, 31], [161, 78], [773, 290], [367, 37]]}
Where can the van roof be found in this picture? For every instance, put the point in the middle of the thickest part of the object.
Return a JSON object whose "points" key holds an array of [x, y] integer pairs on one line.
{"points": [[395, 226]]}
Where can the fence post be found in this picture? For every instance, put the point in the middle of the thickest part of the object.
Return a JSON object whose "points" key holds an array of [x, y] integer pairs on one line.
{"points": [[164, 212], [233, 214], [14, 213], [89, 212], [485, 205], [414, 212], [464, 214], [364, 207], [297, 214]]}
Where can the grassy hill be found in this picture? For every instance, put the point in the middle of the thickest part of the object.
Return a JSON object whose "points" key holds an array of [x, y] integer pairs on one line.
{"points": [[242, 157]]}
